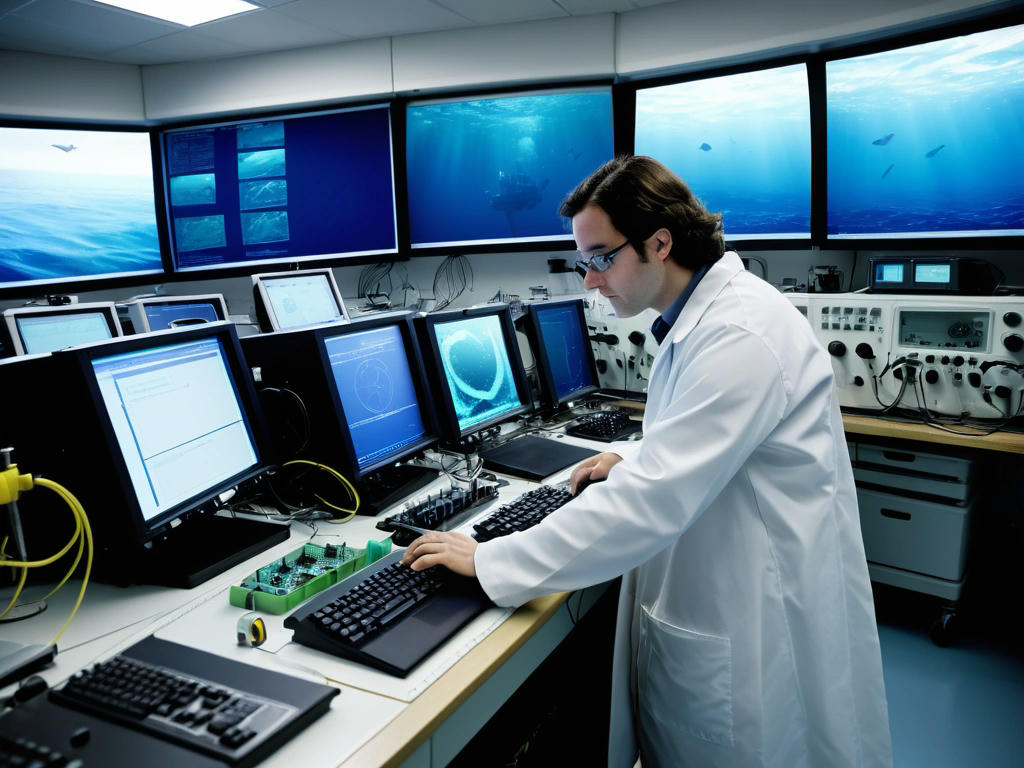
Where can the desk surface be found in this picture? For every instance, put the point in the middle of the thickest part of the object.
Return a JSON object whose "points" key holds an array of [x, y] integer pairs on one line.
{"points": [[1007, 442]]}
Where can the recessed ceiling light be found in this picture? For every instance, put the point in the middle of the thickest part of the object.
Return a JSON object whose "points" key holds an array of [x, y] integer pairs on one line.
{"points": [[186, 12]]}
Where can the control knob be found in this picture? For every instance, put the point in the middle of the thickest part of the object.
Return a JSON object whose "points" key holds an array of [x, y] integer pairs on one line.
{"points": [[1014, 342], [836, 348], [864, 351], [1012, 319], [931, 376]]}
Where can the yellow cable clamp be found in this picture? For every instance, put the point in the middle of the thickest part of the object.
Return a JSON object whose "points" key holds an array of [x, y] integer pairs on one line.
{"points": [[12, 484]]}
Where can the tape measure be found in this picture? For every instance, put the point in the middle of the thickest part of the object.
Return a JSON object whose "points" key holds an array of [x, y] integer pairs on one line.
{"points": [[251, 630]]}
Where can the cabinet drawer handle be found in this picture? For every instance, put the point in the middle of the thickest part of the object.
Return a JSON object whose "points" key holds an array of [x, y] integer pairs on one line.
{"points": [[898, 456], [895, 514]]}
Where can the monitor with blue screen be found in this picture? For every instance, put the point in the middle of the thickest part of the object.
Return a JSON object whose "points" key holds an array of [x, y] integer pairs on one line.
{"points": [[35, 330], [293, 299], [566, 369], [157, 313]]}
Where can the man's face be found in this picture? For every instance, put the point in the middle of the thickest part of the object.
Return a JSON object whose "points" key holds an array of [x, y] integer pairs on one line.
{"points": [[630, 284]]}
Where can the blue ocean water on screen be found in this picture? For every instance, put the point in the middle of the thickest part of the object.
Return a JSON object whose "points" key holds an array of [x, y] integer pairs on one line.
{"points": [[497, 169], [927, 139], [55, 226]]}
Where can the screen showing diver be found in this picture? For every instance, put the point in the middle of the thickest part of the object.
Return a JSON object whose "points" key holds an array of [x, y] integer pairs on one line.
{"points": [[48, 333], [477, 369], [178, 420], [377, 391], [565, 349], [939, 274]]}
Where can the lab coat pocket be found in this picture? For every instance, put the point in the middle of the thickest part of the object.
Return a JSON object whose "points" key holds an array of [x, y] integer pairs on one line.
{"points": [[684, 681]]}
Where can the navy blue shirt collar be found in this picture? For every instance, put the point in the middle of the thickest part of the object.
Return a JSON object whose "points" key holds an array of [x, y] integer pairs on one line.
{"points": [[661, 326]]}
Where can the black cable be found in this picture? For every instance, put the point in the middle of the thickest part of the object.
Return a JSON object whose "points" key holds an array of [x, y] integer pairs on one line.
{"points": [[307, 430]]}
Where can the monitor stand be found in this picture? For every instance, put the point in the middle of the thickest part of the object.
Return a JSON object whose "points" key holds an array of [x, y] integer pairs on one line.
{"points": [[386, 487], [201, 548]]}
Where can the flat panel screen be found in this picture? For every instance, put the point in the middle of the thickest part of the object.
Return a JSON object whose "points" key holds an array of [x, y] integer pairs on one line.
{"points": [[493, 170], [178, 420], [302, 299], [925, 141], [161, 316], [477, 369], [76, 205], [566, 352], [281, 189], [932, 273], [48, 333], [741, 142], [889, 273], [377, 392]]}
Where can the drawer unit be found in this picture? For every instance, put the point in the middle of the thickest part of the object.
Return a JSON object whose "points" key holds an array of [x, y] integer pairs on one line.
{"points": [[922, 536], [915, 472]]}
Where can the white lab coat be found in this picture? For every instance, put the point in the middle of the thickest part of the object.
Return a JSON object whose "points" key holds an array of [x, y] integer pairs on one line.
{"points": [[746, 632]]}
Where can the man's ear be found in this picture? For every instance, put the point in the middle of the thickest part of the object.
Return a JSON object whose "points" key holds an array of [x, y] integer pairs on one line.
{"points": [[661, 243]]}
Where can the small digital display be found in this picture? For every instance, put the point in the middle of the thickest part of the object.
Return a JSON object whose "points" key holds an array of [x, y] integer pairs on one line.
{"points": [[302, 300], [48, 333], [566, 349], [478, 369], [377, 392], [162, 316], [932, 273], [178, 420], [889, 273]]}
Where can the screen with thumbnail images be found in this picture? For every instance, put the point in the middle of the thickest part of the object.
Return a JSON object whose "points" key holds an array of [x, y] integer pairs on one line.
{"points": [[477, 368], [742, 143], [178, 419], [564, 356], [76, 205], [281, 189], [925, 141], [378, 393], [493, 170]]}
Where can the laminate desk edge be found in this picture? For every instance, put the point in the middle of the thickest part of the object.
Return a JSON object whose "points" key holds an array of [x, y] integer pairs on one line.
{"points": [[1006, 442]]}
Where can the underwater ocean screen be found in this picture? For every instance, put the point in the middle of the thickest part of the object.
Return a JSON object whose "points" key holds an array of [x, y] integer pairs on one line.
{"points": [[495, 170], [741, 142], [927, 140], [75, 204]]}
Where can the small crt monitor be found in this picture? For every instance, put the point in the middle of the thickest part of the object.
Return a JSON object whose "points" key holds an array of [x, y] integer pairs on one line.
{"points": [[35, 330], [294, 299], [566, 369], [158, 313], [477, 373], [891, 274]]}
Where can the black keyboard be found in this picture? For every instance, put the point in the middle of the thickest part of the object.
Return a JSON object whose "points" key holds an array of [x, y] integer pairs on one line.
{"points": [[20, 752], [387, 615], [605, 426], [522, 513], [231, 711]]}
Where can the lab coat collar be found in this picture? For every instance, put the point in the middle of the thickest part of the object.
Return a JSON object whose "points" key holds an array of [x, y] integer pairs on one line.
{"points": [[717, 277]]}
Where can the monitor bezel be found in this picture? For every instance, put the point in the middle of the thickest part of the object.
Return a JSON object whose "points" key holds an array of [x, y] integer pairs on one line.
{"points": [[140, 319], [448, 421], [265, 315], [551, 243], [230, 269], [106, 308], [424, 393], [79, 360], [545, 378]]}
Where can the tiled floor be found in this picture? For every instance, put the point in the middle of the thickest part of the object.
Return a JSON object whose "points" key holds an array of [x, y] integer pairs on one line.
{"points": [[957, 706]]}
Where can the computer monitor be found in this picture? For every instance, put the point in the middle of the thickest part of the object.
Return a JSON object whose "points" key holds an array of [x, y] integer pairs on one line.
{"points": [[293, 299], [924, 141], [754, 126], [281, 189], [474, 359], [566, 368], [158, 313], [77, 205], [513, 156], [362, 391], [35, 330], [163, 425]]}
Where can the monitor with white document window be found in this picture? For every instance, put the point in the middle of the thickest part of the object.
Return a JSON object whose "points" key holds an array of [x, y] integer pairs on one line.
{"points": [[298, 298], [158, 313], [36, 330]]}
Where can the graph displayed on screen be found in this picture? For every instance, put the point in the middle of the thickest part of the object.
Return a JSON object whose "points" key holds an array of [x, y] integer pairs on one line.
{"points": [[177, 418], [76, 205], [377, 392], [925, 141], [477, 369], [292, 188], [494, 170], [566, 351], [741, 142]]}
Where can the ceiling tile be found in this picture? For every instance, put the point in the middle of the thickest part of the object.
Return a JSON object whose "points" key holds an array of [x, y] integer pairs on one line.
{"points": [[268, 31], [10, 5], [119, 28], [382, 18], [18, 34], [503, 11], [187, 45]]}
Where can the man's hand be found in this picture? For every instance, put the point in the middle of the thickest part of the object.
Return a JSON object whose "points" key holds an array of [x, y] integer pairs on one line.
{"points": [[592, 470], [452, 550]]}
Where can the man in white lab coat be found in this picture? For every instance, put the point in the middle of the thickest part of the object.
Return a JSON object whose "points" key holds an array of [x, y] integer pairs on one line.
{"points": [[746, 632]]}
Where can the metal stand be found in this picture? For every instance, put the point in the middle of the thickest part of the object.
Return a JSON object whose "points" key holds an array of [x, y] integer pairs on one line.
{"points": [[17, 542]]}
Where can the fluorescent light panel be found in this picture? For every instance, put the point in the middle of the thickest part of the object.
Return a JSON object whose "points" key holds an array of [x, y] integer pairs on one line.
{"points": [[186, 12]]}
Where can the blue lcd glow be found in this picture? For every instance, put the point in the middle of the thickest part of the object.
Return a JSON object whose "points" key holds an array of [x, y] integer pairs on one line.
{"points": [[160, 316], [477, 368], [931, 273], [377, 393], [566, 349], [889, 273]]}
